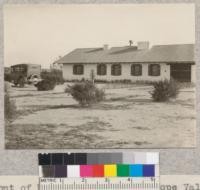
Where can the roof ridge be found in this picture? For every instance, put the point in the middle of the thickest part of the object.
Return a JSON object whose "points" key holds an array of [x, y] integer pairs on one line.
{"points": [[172, 44], [157, 53]]}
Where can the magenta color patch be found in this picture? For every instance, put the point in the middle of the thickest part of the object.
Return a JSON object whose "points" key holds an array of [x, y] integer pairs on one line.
{"points": [[86, 171]]}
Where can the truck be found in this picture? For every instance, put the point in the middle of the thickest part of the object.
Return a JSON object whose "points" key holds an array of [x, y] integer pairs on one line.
{"points": [[25, 73]]}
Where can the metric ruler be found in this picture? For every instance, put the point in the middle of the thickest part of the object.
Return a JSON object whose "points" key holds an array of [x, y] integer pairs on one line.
{"points": [[122, 183]]}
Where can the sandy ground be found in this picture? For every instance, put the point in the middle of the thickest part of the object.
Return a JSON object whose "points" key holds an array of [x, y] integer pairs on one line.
{"points": [[128, 118]]}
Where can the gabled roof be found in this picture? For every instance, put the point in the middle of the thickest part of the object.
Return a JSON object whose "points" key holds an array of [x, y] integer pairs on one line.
{"points": [[130, 54]]}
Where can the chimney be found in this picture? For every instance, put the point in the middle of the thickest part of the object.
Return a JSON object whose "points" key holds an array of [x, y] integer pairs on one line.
{"points": [[142, 45], [105, 47], [130, 42]]}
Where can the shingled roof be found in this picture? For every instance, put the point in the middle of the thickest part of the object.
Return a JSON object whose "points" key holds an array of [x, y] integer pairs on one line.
{"points": [[129, 54]]}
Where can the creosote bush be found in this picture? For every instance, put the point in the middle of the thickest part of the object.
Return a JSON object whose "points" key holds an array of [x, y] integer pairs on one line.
{"points": [[55, 75], [164, 90], [86, 93], [45, 85]]}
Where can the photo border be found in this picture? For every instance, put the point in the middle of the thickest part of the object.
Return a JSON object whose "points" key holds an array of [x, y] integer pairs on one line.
{"points": [[172, 161]]}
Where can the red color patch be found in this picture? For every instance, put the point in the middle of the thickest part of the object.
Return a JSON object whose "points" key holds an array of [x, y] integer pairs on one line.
{"points": [[98, 170]]}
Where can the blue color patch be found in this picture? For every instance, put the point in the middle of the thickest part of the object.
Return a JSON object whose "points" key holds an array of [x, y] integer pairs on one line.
{"points": [[148, 170], [136, 170]]}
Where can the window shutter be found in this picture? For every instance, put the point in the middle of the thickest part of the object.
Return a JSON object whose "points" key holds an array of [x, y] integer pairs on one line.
{"points": [[158, 70], [98, 69], [82, 69], [116, 69], [120, 69], [140, 69], [101, 69], [154, 70], [78, 69], [74, 69], [149, 70], [112, 70], [136, 69], [131, 69]]}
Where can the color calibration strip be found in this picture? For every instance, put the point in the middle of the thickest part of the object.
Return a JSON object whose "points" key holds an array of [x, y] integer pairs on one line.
{"points": [[62, 165], [111, 170], [98, 158]]}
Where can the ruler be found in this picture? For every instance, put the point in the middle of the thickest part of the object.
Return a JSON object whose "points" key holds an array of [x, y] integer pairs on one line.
{"points": [[123, 183]]}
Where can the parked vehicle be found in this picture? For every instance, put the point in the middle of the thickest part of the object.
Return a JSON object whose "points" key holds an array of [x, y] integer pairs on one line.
{"points": [[7, 74], [33, 79], [25, 73]]}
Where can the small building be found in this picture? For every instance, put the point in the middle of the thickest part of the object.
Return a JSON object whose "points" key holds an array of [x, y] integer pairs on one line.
{"points": [[135, 63]]}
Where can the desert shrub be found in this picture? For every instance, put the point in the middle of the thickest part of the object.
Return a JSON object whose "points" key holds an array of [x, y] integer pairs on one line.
{"points": [[123, 81], [100, 81], [45, 85], [53, 75], [164, 90], [50, 78], [143, 82], [9, 105], [58, 75], [99, 95], [86, 93]]}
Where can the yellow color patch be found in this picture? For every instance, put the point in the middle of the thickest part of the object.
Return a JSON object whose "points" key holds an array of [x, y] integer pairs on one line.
{"points": [[110, 170]]}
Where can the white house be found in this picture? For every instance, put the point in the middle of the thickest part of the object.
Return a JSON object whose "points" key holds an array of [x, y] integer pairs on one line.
{"points": [[135, 63]]}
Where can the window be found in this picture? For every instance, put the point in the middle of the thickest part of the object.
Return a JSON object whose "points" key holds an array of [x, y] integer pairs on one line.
{"points": [[116, 70], [154, 70], [101, 69], [136, 70], [78, 69], [21, 69], [17, 69]]}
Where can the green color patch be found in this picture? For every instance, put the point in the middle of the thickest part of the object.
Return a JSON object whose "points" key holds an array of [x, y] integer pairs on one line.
{"points": [[123, 170]]}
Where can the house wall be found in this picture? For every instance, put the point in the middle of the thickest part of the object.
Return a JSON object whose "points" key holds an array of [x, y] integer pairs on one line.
{"points": [[126, 73]]}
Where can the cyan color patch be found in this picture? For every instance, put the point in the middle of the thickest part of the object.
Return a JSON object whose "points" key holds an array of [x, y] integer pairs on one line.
{"points": [[136, 170]]}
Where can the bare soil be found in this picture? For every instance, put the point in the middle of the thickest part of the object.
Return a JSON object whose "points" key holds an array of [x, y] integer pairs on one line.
{"points": [[128, 118]]}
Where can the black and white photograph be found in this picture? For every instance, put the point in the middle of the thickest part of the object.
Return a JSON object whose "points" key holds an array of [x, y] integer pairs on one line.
{"points": [[99, 76]]}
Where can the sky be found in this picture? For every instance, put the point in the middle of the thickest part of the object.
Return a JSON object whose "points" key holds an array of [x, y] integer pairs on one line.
{"points": [[39, 34]]}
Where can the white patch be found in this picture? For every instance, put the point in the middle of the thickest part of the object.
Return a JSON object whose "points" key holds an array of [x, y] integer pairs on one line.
{"points": [[73, 171], [152, 158]]}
